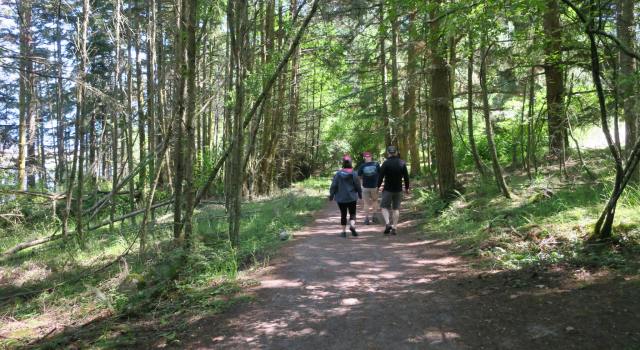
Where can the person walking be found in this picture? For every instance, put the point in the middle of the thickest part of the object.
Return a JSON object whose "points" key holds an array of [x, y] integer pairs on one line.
{"points": [[346, 189], [392, 172], [368, 173]]}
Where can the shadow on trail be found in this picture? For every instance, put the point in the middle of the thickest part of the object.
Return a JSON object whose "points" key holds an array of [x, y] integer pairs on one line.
{"points": [[386, 292], [376, 292]]}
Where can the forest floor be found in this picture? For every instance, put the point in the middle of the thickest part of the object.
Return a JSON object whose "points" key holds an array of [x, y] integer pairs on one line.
{"points": [[480, 272], [411, 291]]}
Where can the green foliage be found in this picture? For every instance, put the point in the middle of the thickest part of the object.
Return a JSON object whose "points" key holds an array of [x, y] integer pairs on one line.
{"points": [[546, 223], [261, 223], [165, 281], [203, 167]]}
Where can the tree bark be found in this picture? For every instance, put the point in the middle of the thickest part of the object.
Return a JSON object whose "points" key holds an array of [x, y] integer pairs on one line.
{"points": [[530, 127], [497, 170], [115, 116], [410, 97], [396, 119], [142, 179], [441, 102], [190, 10], [129, 139], [627, 84], [294, 105], [80, 114], [178, 122], [268, 135], [61, 170], [555, 79], [384, 110], [151, 82], [25, 93], [472, 140], [238, 30]]}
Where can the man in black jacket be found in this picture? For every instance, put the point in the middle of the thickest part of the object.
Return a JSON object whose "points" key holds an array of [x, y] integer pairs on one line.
{"points": [[392, 172]]}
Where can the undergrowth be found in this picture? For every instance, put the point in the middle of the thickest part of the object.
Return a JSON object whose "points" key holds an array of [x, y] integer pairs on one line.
{"points": [[63, 285], [546, 222]]}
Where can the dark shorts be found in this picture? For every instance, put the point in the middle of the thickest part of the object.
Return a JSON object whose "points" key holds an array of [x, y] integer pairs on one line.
{"points": [[391, 200]]}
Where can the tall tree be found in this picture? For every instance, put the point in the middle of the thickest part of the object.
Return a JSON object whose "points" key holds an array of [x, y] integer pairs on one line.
{"points": [[410, 96], [294, 104], [627, 85], [60, 121], [115, 117], [190, 19], [142, 117], [80, 112], [382, 64], [396, 116], [26, 88], [441, 106], [554, 76], [269, 134], [151, 82], [238, 29], [470, 131], [497, 170]]}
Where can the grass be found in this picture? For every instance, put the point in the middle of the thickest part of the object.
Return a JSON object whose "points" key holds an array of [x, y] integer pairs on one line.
{"points": [[546, 221], [63, 283]]}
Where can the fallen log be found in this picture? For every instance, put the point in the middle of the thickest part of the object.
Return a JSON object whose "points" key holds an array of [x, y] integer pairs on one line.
{"points": [[25, 245], [131, 214], [51, 196]]}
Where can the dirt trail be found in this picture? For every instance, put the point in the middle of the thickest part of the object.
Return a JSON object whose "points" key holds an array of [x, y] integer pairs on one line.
{"points": [[403, 292]]}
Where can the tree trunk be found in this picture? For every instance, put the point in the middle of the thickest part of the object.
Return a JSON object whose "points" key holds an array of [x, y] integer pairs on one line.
{"points": [[115, 116], [440, 91], [142, 178], [384, 111], [294, 98], [239, 46], [178, 122], [554, 78], [627, 84], [281, 102], [497, 170], [228, 108], [161, 92], [25, 94], [269, 135], [151, 83], [530, 129], [472, 140], [32, 125], [190, 8], [60, 124], [410, 97], [396, 119], [129, 139], [80, 112]]}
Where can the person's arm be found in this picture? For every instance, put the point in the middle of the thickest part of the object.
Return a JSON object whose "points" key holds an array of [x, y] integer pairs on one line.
{"points": [[405, 175], [334, 188], [358, 186], [381, 175]]}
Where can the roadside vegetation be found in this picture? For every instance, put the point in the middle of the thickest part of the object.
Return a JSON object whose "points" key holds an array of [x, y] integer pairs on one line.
{"points": [[547, 221], [105, 293]]}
